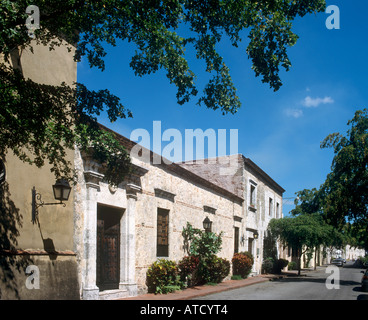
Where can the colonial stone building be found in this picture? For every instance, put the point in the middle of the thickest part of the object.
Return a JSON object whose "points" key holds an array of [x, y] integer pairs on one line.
{"points": [[120, 232], [262, 198], [142, 220], [100, 245]]}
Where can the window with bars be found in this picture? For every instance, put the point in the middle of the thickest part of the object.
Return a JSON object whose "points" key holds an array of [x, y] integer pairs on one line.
{"points": [[162, 232]]}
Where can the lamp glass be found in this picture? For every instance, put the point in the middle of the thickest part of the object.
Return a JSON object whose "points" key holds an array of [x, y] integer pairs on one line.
{"points": [[207, 223], [61, 190]]}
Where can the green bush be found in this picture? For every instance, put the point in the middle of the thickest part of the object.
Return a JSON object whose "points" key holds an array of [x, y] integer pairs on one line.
{"points": [[267, 265], [364, 260], [162, 276], [242, 264], [280, 264], [292, 265], [213, 269]]}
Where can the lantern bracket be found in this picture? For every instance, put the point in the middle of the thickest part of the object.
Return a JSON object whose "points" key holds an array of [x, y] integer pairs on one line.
{"points": [[38, 202]]}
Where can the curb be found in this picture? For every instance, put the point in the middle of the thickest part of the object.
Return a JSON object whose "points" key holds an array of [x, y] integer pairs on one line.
{"points": [[201, 291]]}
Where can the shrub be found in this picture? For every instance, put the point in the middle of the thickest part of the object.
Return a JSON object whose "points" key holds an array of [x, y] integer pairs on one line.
{"points": [[201, 244], [267, 265], [188, 268], [249, 255], [280, 264], [162, 275], [213, 269], [292, 265], [242, 264]]}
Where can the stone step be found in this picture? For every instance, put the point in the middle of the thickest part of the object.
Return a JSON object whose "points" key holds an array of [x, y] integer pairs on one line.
{"points": [[113, 294]]}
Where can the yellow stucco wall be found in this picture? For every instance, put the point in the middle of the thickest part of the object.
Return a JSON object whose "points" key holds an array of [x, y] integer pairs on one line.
{"points": [[35, 242]]}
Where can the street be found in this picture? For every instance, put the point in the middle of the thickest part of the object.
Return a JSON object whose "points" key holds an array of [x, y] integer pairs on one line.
{"points": [[311, 285]]}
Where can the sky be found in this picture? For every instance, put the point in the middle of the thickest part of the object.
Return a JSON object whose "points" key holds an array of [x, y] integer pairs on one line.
{"points": [[280, 131]]}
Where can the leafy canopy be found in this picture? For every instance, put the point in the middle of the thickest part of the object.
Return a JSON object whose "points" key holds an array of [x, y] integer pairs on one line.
{"points": [[345, 191], [161, 32]]}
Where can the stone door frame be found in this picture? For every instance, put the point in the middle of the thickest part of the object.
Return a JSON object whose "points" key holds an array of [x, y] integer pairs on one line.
{"points": [[90, 291]]}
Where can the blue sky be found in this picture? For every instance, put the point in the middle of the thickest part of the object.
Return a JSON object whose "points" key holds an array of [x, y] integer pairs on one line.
{"points": [[280, 131]]}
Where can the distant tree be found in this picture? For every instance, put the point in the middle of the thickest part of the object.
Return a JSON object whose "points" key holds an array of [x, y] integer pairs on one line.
{"points": [[307, 201], [34, 119], [302, 233]]}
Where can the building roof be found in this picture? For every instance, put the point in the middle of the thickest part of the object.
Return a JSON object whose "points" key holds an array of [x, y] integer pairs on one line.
{"points": [[179, 169], [267, 179]]}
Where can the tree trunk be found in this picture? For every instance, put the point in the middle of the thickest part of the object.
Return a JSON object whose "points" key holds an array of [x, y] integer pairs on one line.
{"points": [[315, 259], [300, 253]]}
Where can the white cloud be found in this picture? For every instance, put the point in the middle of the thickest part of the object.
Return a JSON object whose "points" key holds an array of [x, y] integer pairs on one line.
{"points": [[315, 102], [294, 113]]}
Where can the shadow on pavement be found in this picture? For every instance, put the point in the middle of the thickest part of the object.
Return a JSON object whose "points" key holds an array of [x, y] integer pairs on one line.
{"points": [[361, 296]]}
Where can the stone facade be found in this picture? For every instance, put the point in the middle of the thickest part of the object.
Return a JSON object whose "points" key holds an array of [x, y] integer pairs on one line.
{"points": [[262, 197], [184, 196], [182, 193]]}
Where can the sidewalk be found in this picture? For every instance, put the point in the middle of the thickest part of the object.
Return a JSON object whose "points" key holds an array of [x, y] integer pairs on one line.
{"points": [[209, 289]]}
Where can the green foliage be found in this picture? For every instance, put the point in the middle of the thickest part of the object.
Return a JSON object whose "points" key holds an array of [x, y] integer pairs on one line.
{"points": [[162, 276], [364, 260], [205, 246], [345, 189], [307, 202], [201, 244], [271, 265], [41, 123], [213, 269], [268, 265], [303, 232], [280, 264], [242, 264], [292, 265], [269, 246]]}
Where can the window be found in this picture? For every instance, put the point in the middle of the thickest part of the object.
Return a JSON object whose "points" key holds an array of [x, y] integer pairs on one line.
{"points": [[162, 232], [277, 210], [250, 245], [236, 240], [270, 207], [252, 195]]}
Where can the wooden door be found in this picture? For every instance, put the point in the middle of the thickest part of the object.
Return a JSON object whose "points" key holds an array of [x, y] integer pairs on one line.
{"points": [[108, 251]]}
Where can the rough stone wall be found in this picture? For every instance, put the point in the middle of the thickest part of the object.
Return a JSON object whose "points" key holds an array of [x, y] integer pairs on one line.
{"points": [[185, 201], [258, 217], [255, 216]]}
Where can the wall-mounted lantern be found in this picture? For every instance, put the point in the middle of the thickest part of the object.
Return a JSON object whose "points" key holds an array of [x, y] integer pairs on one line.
{"points": [[207, 224], [61, 193], [255, 235]]}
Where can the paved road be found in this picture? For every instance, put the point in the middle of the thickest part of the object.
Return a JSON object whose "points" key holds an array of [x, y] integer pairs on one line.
{"points": [[311, 285]]}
